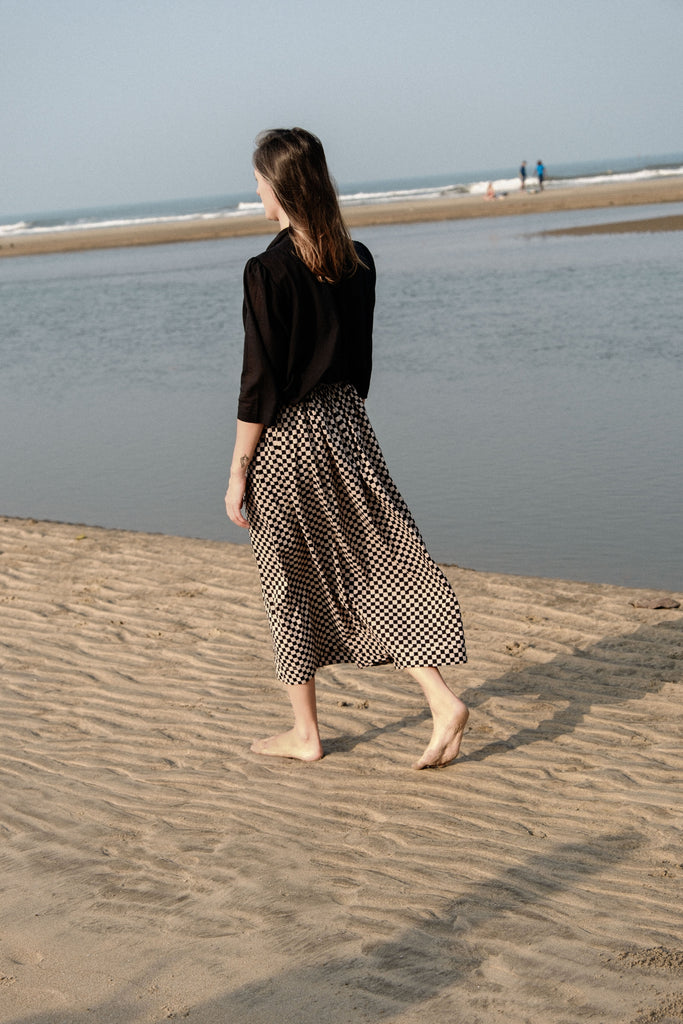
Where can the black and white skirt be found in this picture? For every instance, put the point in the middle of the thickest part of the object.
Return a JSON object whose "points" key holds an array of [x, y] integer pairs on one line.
{"points": [[344, 571]]}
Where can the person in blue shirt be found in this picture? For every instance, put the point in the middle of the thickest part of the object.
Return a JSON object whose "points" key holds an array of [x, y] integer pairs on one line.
{"points": [[540, 171]]}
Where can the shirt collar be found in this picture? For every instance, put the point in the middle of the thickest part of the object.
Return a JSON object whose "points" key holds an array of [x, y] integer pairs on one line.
{"points": [[280, 237]]}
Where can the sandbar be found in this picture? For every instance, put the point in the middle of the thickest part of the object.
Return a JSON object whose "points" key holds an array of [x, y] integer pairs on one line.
{"points": [[622, 227], [448, 207]]}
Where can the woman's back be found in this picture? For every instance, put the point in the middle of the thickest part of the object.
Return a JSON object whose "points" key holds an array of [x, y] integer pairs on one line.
{"points": [[301, 331]]}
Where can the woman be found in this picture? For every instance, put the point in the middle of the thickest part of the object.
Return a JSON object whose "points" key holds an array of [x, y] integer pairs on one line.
{"points": [[344, 572]]}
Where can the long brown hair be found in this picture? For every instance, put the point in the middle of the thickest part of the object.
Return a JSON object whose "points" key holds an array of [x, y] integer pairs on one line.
{"points": [[293, 163]]}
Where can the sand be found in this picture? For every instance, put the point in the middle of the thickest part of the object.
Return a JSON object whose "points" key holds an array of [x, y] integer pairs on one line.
{"points": [[154, 869], [621, 227], [668, 190]]}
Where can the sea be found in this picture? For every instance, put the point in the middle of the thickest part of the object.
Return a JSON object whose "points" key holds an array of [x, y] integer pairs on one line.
{"points": [[527, 388]]}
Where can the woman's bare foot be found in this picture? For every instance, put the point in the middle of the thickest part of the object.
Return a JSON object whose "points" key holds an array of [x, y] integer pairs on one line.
{"points": [[449, 718], [303, 741], [449, 727], [290, 744]]}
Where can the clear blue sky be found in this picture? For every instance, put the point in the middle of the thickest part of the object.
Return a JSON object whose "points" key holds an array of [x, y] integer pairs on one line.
{"points": [[112, 101]]}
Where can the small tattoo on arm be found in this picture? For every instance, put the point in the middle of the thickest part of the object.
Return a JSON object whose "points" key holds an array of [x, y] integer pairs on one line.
{"points": [[244, 461]]}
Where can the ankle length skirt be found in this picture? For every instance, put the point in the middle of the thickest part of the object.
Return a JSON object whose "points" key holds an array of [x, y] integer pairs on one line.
{"points": [[344, 571]]}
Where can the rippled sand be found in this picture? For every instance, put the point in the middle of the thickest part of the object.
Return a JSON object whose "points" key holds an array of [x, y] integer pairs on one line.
{"points": [[153, 868]]}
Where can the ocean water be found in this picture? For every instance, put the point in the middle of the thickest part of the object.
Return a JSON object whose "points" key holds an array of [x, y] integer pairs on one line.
{"points": [[526, 390]]}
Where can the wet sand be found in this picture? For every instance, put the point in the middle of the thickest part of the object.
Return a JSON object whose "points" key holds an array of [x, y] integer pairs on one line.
{"points": [[447, 208], [647, 224], [154, 869]]}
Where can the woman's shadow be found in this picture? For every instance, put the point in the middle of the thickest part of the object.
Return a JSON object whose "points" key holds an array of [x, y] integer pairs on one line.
{"points": [[605, 674]]}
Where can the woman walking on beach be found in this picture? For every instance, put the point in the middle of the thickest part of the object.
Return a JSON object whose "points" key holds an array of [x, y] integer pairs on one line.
{"points": [[344, 571]]}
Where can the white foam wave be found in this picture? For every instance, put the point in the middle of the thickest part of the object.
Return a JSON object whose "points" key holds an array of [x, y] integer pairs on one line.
{"points": [[396, 195], [14, 229], [647, 174], [124, 222]]}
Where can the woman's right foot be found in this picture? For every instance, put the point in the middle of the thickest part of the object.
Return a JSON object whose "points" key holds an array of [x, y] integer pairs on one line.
{"points": [[289, 744]]}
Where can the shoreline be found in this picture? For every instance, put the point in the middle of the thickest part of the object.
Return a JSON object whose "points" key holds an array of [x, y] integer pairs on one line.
{"points": [[155, 868], [623, 194], [82, 530]]}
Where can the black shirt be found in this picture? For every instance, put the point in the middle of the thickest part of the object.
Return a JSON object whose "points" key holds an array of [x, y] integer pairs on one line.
{"points": [[300, 332]]}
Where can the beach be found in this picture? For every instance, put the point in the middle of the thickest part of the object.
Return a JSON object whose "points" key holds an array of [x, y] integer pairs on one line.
{"points": [[450, 207], [155, 869]]}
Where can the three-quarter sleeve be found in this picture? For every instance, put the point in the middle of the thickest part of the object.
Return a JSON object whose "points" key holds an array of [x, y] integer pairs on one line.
{"points": [[263, 347]]}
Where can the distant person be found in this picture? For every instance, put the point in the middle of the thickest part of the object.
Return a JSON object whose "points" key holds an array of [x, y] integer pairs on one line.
{"points": [[490, 191], [540, 171], [522, 176], [344, 571]]}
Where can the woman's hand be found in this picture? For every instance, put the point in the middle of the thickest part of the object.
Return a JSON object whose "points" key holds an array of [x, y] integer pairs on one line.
{"points": [[246, 439], [234, 499]]}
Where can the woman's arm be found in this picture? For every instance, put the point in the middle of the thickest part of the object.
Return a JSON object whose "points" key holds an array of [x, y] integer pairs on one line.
{"points": [[247, 438]]}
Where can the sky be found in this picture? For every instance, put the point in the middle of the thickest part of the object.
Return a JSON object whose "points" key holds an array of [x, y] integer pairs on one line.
{"points": [[119, 101]]}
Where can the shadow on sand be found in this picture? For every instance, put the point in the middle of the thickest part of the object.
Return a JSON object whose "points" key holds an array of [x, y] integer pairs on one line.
{"points": [[389, 977], [603, 675], [399, 975]]}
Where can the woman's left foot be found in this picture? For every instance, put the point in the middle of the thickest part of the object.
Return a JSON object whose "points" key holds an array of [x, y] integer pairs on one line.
{"points": [[447, 735]]}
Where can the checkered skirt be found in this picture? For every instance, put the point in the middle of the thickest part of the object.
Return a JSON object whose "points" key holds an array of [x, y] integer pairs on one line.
{"points": [[344, 571]]}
